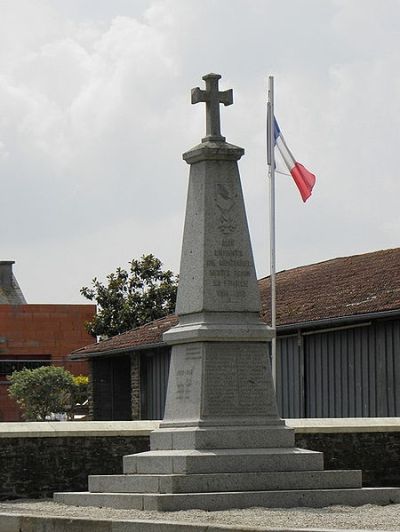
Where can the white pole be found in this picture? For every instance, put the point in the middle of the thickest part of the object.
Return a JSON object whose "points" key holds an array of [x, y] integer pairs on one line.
{"points": [[271, 175]]}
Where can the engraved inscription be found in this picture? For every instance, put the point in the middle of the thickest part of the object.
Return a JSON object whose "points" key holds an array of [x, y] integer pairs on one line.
{"points": [[185, 375], [229, 271], [242, 368]]}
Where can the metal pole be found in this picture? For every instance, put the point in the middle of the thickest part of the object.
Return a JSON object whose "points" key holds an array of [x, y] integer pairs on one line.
{"points": [[271, 175]]}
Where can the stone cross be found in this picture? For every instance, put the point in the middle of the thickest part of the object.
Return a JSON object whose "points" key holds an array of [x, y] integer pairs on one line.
{"points": [[213, 97]]}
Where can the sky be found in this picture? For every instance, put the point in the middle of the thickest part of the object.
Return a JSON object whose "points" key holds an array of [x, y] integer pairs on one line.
{"points": [[95, 114]]}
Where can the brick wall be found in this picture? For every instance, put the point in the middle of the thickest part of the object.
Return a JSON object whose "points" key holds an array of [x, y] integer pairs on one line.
{"points": [[47, 331]]}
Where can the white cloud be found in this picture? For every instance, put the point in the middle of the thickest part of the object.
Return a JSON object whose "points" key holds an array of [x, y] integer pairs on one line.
{"points": [[95, 113]]}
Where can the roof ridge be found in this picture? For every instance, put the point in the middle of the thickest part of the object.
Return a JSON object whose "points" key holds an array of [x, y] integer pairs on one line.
{"points": [[326, 261], [136, 330]]}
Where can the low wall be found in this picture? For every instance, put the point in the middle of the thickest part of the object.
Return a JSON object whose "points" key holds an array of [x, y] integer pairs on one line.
{"points": [[369, 444], [37, 459]]}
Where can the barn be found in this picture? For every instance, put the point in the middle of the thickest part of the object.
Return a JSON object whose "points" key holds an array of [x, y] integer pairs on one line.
{"points": [[338, 346]]}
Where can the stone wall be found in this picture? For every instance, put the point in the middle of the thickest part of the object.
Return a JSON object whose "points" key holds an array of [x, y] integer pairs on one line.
{"points": [[369, 444], [375, 453], [36, 467], [90, 391], [135, 386], [37, 459]]}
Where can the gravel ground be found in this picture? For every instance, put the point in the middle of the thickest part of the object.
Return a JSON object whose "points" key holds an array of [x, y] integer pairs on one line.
{"points": [[368, 517]]}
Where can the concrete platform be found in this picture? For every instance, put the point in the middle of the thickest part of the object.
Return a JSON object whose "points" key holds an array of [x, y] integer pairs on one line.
{"points": [[287, 480], [227, 500]]}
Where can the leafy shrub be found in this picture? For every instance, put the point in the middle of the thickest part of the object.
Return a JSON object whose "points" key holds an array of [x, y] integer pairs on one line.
{"points": [[41, 391]]}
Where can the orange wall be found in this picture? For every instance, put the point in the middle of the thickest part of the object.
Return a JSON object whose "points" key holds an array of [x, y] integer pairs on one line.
{"points": [[37, 330]]}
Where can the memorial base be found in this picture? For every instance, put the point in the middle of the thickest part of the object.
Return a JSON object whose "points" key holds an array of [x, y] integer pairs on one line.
{"points": [[171, 479]]}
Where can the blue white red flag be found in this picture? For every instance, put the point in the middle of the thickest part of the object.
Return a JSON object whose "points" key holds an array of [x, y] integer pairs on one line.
{"points": [[304, 179]]}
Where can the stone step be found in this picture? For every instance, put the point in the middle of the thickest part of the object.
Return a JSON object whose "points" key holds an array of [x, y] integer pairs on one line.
{"points": [[223, 461], [222, 438], [101, 500], [223, 501], [200, 483]]}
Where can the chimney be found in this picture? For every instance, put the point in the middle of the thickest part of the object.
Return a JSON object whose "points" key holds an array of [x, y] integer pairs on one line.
{"points": [[6, 273], [10, 292]]}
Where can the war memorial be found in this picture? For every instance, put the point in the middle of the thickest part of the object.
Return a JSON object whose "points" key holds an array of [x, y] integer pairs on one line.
{"points": [[221, 443]]}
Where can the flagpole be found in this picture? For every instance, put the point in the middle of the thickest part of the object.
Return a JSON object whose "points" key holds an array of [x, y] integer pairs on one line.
{"points": [[271, 175]]}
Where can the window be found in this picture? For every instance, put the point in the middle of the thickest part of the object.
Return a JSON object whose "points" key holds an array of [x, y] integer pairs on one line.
{"points": [[8, 365]]}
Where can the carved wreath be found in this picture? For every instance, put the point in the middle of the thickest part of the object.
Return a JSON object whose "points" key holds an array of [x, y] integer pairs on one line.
{"points": [[225, 202]]}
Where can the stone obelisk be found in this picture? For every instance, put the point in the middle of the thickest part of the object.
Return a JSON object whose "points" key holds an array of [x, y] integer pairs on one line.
{"points": [[220, 378], [221, 443]]}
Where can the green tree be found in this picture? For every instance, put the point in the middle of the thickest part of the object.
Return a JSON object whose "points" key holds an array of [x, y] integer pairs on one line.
{"points": [[133, 298], [41, 391]]}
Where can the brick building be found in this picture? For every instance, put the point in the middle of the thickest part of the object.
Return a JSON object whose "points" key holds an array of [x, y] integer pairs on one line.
{"points": [[35, 335]]}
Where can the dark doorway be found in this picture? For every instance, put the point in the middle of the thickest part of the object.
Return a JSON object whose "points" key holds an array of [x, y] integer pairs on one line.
{"points": [[154, 369], [112, 389]]}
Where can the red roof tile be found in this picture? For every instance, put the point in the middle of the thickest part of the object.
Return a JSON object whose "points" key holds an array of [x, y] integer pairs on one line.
{"points": [[346, 286], [146, 335]]}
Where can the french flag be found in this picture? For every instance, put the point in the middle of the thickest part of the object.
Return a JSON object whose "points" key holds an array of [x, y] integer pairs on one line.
{"points": [[304, 179]]}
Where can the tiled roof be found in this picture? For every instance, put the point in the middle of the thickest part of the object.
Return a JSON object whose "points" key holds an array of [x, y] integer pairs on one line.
{"points": [[347, 286], [146, 335]]}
